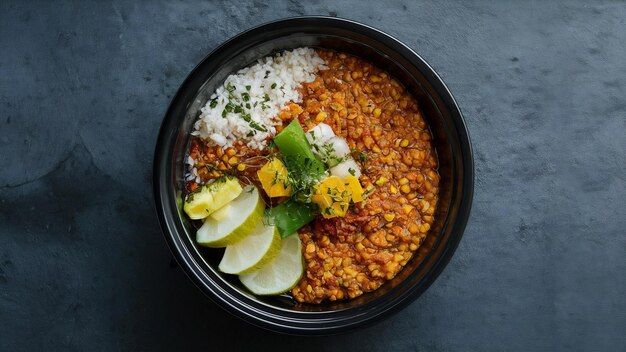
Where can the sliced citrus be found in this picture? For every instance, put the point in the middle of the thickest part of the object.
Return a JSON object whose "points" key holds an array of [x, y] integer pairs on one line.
{"points": [[252, 252], [222, 213], [234, 221], [279, 275]]}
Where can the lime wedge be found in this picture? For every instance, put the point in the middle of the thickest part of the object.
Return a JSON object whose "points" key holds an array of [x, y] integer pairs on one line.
{"points": [[279, 275], [232, 222], [200, 204], [252, 252]]}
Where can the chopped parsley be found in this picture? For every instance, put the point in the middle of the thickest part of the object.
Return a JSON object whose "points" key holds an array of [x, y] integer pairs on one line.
{"points": [[228, 108], [257, 127], [359, 156], [326, 153]]}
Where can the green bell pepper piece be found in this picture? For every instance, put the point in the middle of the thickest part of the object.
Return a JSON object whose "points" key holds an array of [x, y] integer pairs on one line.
{"points": [[296, 150], [290, 216]]}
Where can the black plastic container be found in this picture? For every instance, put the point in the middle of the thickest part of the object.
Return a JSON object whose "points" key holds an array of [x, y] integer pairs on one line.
{"points": [[451, 139]]}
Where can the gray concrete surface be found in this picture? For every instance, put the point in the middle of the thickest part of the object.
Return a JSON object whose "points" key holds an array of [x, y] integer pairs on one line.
{"points": [[83, 88]]}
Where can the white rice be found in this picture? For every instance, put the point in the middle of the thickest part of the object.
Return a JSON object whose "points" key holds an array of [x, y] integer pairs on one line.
{"points": [[270, 84]]}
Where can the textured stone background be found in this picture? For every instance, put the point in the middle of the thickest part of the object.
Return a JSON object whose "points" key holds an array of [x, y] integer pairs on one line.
{"points": [[83, 88]]}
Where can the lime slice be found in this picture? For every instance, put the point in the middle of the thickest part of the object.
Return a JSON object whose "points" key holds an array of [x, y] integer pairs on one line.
{"points": [[232, 222], [279, 275], [211, 197], [221, 213], [252, 252]]}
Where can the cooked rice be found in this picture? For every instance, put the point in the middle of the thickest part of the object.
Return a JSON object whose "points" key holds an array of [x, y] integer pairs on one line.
{"points": [[256, 95]]}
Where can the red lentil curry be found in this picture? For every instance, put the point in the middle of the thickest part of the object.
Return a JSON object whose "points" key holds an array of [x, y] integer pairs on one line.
{"points": [[391, 143]]}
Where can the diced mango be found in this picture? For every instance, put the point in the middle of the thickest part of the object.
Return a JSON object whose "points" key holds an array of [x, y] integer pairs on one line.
{"points": [[332, 197], [352, 183], [273, 177]]}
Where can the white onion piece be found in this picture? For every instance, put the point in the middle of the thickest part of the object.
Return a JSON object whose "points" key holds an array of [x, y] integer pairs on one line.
{"points": [[340, 147], [342, 170], [320, 134]]}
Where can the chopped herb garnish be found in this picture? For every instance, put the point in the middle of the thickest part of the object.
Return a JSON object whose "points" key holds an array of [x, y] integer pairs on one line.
{"points": [[326, 153], [230, 88], [248, 106], [213, 103], [245, 96], [351, 171], [361, 156], [248, 88], [273, 85], [266, 98], [258, 127], [304, 169]]}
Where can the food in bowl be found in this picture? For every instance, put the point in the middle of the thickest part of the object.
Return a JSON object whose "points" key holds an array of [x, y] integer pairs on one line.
{"points": [[316, 170]]}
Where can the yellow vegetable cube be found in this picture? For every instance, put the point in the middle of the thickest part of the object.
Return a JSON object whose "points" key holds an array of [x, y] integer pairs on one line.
{"points": [[332, 197], [352, 183], [273, 177]]}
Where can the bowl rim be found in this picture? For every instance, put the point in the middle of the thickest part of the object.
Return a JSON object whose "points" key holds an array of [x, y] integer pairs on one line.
{"points": [[262, 318]]}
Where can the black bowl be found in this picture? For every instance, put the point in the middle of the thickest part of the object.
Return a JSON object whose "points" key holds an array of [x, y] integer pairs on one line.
{"points": [[450, 136]]}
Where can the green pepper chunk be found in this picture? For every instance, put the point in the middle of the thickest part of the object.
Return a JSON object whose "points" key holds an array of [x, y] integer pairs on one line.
{"points": [[297, 153], [290, 216], [304, 171]]}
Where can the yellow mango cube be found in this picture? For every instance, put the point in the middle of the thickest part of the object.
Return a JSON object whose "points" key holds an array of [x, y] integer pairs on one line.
{"points": [[332, 197], [274, 177], [352, 183]]}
